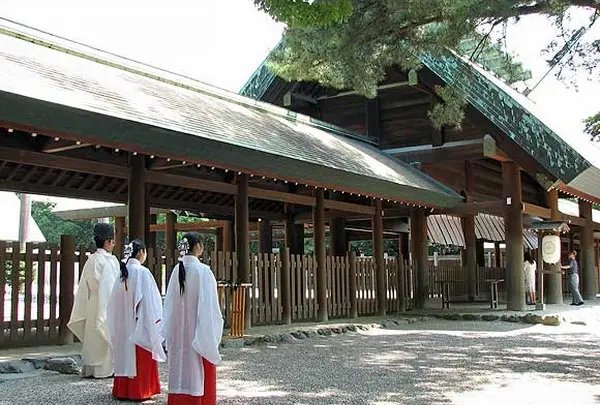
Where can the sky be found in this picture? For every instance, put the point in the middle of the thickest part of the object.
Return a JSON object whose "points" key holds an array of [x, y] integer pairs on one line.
{"points": [[222, 42]]}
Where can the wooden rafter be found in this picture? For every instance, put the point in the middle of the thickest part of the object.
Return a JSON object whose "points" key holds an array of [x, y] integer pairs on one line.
{"points": [[55, 145]]}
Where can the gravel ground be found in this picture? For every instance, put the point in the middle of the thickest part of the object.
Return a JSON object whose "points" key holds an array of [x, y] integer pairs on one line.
{"points": [[439, 362]]}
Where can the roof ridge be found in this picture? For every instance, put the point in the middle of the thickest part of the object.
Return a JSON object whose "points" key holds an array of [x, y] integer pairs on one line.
{"points": [[197, 85]]}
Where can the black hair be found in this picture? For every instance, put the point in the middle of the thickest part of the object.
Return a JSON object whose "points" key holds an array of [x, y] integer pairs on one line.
{"points": [[137, 245], [99, 242], [192, 239], [528, 257]]}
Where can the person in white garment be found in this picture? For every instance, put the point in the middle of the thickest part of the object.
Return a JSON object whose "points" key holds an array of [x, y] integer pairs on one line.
{"points": [[134, 313], [192, 327], [89, 315], [529, 271]]}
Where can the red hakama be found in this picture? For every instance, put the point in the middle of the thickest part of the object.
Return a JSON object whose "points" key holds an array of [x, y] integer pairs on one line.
{"points": [[210, 389], [145, 385]]}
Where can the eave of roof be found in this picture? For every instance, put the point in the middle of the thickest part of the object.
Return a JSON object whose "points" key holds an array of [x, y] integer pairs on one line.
{"points": [[113, 101]]}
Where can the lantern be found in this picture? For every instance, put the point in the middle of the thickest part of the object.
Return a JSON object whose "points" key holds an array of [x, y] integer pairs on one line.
{"points": [[551, 249]]}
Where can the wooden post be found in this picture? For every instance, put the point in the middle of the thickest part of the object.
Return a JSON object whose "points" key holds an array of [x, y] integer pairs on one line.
{"points": [[241, 237], [67, 283], [588, 256], [470, 250], [290, 231], [337, 236], [137, 198], [225, 237], [152, 235], [170, 235], [319, 238], [418, 228], [513, 224], [381, 278], [353, 286], [265, 236], [286, 293], [120, 235], [299, 239], [497, 254], [401, 284], [554, 292]]}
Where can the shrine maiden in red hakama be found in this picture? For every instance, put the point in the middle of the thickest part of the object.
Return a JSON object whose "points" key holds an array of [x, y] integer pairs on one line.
{"points": [[135, 312], [193, 326]]}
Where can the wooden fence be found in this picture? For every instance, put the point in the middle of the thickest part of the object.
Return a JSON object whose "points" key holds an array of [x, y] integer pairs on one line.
{"points": [[34, 298]]}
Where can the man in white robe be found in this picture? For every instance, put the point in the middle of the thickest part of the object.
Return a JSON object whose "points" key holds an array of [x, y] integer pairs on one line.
{"points": [[192, 327], [89, 315]]}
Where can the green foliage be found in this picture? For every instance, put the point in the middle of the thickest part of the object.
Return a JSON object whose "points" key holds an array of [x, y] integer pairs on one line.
{"points": [[353, 47], [52, 226], [8, 268], [303, 13], [592, 127]]}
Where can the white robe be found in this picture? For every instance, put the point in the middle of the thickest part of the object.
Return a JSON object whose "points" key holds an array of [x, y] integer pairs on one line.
{"points": [[133, 316], [192, 327], [529, 276], [89, 315]]}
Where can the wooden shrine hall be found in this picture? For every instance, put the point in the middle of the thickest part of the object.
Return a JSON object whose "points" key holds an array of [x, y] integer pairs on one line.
{"points": [[78, 122], [506, 161]]}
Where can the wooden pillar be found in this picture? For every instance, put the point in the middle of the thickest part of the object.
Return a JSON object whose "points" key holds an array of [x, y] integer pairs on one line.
{"points": [[553, 292], [403, 246], [353, 286], [381, 278], [299, 239], [225, 237], [418, 229], [320, 254], [137, 198], [468, 222], [401, 284], [151, 242], [241, 236], [470, 255], [497, 254], [265, 236], [337, 234], [120, 235], [170, 233], [513, 224], [286, 288], [588, 256], [66, 284]]}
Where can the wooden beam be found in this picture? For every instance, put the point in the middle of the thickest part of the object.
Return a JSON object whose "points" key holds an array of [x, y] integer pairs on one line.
{"points": [[449, 151], [63, 145], [474, 208], [99, 212], [189, 226], [190, 182], [492, 151], [349, 207], [166, 164], [281, 196], [536, 210], [63, 163]]}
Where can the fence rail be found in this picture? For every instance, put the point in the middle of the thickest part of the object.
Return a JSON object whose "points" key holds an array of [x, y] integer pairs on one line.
{"points": [[32, 301]]}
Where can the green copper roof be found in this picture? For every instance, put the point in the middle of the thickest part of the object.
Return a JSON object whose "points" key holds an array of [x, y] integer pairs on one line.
{"points": [[61, 87]]}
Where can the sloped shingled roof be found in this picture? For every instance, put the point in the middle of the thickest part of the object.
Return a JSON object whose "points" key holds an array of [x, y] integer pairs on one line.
{"points": [[57, 85], [564, 155]]}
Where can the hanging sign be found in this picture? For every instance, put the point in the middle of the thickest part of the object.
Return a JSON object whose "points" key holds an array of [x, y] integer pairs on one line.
{"points": [[551, 249]]}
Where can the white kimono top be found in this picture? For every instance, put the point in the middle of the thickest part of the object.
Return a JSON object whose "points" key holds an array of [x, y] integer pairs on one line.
{"points": [[530, 276], [192, 327], [134, 314], [89, 315]]}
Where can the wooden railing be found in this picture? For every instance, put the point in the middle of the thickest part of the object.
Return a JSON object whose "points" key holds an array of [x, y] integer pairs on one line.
{"points": [[30, 312]]}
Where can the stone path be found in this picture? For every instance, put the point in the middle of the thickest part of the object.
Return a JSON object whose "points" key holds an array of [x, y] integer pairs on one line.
{"points": [[435, 362]]}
